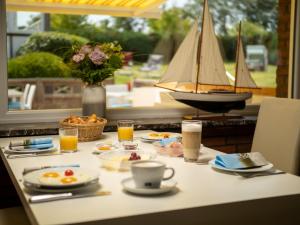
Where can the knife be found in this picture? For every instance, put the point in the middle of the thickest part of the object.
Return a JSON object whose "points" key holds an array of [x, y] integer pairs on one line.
{"points": [[262, 173], [61, 196]]}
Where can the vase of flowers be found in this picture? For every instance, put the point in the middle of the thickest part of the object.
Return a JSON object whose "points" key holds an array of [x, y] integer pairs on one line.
{"points": [[93, 63]]}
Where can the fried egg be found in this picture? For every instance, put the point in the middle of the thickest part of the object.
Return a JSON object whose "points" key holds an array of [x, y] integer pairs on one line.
{"points": [[59, 178]]}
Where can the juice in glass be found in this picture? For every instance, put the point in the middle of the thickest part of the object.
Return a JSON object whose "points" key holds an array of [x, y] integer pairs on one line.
{"points": [[125, 130], [68, 138]]}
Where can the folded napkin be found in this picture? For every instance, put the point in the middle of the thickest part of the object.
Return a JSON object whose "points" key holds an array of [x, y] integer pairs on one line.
{"points": [[165, 141], [30, 142], [241, 161]]}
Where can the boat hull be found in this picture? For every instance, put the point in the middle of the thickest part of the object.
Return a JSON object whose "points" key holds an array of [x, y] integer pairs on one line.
{"points": [[213, 102]]}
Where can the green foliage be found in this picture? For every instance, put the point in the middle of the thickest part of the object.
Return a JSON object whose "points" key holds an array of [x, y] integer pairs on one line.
{"points": [[52, 42], [250, 30], [67, 23], [37, 64], [121, 31], [94, 62], [139, 43], [172, 26], [229, 12]]}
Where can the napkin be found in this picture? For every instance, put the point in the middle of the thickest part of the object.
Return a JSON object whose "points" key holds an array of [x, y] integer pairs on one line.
{"points": [[241, 161], [165, 141]]}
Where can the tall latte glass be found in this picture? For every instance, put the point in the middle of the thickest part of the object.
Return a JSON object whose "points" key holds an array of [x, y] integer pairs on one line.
{"points": [[191, 139]]}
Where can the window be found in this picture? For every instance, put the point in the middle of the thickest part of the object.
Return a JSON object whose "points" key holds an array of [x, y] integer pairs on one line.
{"points": [[38, 79]]}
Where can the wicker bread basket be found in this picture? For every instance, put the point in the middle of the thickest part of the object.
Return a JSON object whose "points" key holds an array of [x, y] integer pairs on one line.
{"points": [[88, 131]]}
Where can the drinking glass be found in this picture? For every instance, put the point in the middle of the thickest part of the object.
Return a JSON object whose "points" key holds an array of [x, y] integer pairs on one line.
{"points": [[191, 139], [68, 139], [125, 130]]}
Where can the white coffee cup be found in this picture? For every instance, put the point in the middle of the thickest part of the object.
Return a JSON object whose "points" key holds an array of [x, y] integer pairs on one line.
{"points": [[149, 173]]}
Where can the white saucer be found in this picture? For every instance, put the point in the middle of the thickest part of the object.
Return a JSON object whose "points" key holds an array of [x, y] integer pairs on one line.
{"points": [[259, 169], [166, 186]]}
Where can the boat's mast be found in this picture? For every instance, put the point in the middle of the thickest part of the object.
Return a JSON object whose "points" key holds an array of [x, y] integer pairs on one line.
{"points": [[237, 56], [199, 47]]}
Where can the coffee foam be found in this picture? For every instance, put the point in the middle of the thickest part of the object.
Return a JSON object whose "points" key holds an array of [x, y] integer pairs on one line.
{"points": [[192, 127]]}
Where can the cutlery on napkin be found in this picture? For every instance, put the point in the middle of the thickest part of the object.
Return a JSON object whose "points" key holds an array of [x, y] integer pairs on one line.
{"points": [[28, 142], [61, 196], [31, 147], [31, 169]]}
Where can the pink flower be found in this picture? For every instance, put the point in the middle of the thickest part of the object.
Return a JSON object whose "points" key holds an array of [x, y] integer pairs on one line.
{"points": [[97, 56], [85, 49], [78, 57]]}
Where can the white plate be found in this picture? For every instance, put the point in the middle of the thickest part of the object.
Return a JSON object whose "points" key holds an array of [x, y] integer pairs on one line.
{"points": [[36, 178], [10, 151], [148, 138], [166, 186], [258, 169]]}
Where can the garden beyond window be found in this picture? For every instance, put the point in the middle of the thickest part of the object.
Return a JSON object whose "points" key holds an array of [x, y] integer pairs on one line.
{"points": [[40, 78]]}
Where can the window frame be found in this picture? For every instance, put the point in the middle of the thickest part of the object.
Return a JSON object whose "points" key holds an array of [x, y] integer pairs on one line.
{"points": [[296, 60], [54, 115]]}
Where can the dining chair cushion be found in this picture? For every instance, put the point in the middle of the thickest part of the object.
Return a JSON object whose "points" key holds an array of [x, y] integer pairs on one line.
{"points": [[14, 215], [277, 133]]}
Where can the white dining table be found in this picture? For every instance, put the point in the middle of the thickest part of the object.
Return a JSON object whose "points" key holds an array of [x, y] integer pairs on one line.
{"points": [[203, 194]]}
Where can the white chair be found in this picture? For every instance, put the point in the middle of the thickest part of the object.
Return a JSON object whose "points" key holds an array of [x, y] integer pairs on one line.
{"points": [[154, 63], [13, 216], [277, 133], [30, 96], [25, 95]]}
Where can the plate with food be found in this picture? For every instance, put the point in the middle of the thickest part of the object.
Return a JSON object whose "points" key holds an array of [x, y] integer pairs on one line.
{"points": [[172, 149], [120, 160], [60, 177], [156, 136]]}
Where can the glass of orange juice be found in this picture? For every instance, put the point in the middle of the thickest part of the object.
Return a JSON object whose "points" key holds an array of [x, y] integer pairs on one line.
{"points": [[125, 130], [68, 139]]}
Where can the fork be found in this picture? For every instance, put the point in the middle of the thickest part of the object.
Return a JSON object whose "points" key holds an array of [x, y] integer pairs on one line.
{"points": [[263, 173]]}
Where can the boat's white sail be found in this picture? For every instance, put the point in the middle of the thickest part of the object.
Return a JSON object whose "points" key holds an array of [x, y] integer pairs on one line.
{"points": [[212, 69], [243, 76], [182, 68]]}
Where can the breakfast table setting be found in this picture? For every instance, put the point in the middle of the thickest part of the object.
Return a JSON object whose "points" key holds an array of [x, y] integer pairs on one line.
{"points": [[145, 177]]}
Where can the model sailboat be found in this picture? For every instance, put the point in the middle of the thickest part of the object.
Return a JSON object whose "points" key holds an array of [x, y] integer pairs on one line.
{"points": [[197, 63]]}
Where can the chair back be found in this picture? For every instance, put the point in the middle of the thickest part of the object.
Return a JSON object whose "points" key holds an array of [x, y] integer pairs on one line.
{"points": [[277, 134], [25, 95], [29, 100]]}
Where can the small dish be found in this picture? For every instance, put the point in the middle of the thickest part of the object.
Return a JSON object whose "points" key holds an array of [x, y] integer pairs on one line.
{"points": [[118, 160], [166, 186], [104, 147], [129, 145]]}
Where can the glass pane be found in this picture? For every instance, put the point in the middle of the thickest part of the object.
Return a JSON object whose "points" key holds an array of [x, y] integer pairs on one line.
{"points": [[37, 42]]}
